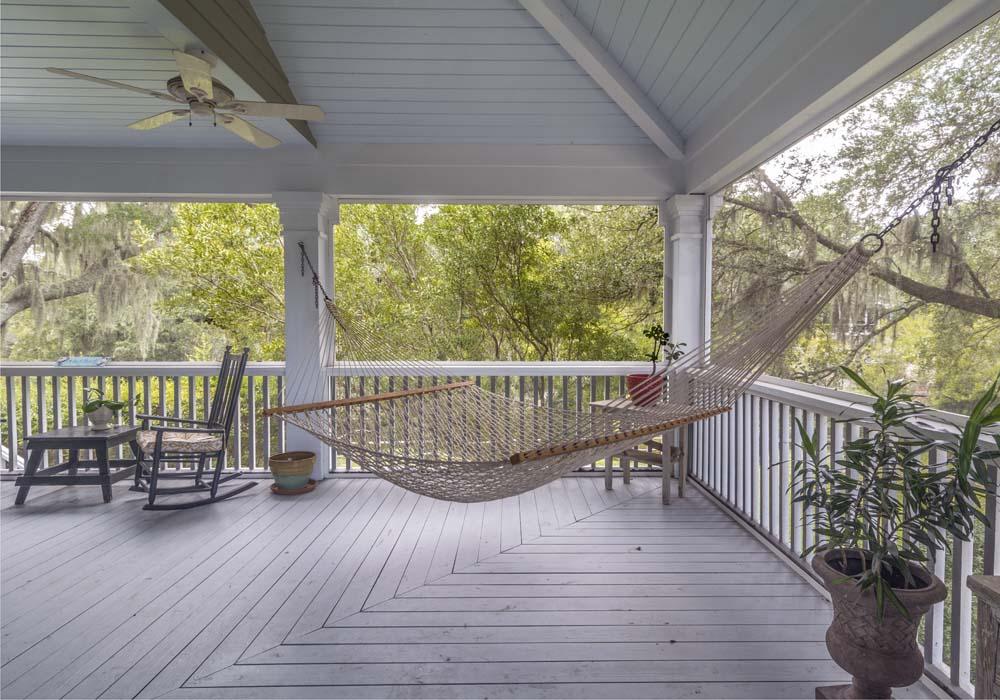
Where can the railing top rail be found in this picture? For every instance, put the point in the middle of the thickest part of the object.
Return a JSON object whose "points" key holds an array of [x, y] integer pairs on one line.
{"points": [[498, 369], [134, 369], [843, 405]]}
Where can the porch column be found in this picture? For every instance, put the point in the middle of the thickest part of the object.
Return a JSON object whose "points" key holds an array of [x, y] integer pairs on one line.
{"points": [[687, 266], [307, 217]]}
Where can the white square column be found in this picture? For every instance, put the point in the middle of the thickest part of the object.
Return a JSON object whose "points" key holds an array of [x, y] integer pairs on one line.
{"points": [[687, 266], [307, 218]]}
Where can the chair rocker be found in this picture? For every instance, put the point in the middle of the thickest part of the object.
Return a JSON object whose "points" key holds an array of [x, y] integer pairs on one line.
{"points": [[185, 440]]}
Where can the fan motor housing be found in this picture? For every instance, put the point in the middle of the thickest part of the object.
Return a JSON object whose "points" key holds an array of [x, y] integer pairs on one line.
{"points": [[221, 94]]}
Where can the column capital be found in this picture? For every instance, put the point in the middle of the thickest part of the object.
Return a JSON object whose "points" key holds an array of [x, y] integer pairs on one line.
{"points": [[679, 205], [307, 211]]}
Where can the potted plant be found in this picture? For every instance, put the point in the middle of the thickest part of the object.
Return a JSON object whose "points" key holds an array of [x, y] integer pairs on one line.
{"points": [[641, 390], [292, 472], [878, 506], [100, 412]]}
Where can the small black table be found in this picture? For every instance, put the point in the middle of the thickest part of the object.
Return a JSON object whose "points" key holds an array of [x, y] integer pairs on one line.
{"points": [[74, 439]]}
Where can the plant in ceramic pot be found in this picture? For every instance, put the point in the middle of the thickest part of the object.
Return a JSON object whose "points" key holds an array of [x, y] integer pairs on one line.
{"points": [[878, 506], [643, 389], [101, 412]]}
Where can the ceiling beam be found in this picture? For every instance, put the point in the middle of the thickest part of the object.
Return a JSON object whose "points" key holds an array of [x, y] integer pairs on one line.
{"points": [[581, 45], [389, 172], [230, 30]]}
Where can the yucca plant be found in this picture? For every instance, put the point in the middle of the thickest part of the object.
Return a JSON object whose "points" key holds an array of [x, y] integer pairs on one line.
{"points": [[897, 492]]}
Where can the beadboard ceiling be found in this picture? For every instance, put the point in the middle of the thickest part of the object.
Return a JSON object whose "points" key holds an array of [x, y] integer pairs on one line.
{"points": [[417, 71]]}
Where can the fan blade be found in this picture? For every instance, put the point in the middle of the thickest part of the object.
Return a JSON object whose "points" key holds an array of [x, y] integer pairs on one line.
{"points": [[275, 109], [248, 132], [158, 120], [196, 73], [112, 83]]}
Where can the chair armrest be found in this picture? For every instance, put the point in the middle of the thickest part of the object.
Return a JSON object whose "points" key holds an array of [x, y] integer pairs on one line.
{"points": [[146, 418], [170, 429]]}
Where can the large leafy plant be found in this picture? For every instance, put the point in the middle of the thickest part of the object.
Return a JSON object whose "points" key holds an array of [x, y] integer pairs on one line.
{"points": [[898, 491]]}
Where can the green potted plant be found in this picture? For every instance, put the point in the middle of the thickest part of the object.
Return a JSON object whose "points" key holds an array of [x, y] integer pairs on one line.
{"points": [[100, 412], [641, 390], [879, 506]]}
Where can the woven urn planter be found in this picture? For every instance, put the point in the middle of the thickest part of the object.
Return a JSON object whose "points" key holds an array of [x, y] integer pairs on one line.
{"points": [[880, 654], [291, 470]]}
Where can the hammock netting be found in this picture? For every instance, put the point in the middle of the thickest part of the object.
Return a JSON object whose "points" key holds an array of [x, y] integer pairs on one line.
{"points": [[459, 442]]}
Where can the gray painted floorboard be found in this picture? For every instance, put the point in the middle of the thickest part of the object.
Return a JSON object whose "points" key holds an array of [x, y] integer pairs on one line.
{"points": [[360, 589]]}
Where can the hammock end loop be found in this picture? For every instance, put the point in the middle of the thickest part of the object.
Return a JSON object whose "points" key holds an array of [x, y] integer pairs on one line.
{"points": [[870, 244]]}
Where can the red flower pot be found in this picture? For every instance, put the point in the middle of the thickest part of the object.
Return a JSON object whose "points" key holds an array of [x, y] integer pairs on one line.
{"points": [[641, 390]]}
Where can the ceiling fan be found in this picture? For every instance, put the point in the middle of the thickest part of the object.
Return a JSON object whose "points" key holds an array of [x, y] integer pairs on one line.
{"points": [[205, 97]]}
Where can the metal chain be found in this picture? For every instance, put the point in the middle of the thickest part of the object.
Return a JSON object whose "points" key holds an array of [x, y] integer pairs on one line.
{"points": [[944, 176], [317, 285]]}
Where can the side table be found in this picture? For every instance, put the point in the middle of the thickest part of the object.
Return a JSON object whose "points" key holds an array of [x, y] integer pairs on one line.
{"points": [[73, 439]]}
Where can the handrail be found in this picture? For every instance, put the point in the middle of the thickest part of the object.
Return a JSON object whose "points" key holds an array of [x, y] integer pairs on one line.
{"points": [[135, 369]]}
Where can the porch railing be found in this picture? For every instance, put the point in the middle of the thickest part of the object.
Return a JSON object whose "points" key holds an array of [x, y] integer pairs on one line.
{"points": [[35, 397], [743, 458]]}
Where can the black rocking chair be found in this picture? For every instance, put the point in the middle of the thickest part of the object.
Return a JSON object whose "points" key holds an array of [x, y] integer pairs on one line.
{"points": [[186, 440]]}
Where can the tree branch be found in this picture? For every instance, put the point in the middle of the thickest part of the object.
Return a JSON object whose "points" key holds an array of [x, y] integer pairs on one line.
{"points": [[20, 297], [919, 290], [22, 235]]}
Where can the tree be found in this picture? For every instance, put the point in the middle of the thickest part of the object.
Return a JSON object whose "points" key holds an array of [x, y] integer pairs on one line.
{"points": [[224, 266], [54, 252], [913, 312]]}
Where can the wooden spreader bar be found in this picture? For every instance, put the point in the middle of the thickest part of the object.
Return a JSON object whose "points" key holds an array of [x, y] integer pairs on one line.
{"points": [[372, 398], [586, 444]]}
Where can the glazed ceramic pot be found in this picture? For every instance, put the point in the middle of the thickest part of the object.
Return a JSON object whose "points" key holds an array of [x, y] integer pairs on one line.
{"points": [[100, 419], [291, 470]]}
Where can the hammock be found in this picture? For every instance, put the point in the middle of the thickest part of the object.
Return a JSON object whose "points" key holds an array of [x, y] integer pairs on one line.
{"points": [[458, 442]]}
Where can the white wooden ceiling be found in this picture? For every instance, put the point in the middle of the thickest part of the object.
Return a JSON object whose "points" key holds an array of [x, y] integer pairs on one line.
{"points": [[438, 71], [419, 71], [102, 38], [687, 56], [448, 100]]}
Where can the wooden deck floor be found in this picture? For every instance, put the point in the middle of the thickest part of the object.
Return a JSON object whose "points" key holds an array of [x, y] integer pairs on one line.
{"points": [[361, 589]]}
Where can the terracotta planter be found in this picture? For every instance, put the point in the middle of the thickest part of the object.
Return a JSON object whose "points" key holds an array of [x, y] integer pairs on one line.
{"points": [[291, 470], [879, 654], [642, 395]]}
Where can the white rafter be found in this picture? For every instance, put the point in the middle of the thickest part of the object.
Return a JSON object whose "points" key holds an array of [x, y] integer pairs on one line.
{"points": [[579, 43]]}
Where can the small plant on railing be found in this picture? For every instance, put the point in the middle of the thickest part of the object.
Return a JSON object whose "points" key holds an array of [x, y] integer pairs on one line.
{"points": [[642, 391], [879, 507], [661, 344]]}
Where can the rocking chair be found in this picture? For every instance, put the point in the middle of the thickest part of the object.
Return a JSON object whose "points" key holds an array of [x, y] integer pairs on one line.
{"points": [[186, 440]]}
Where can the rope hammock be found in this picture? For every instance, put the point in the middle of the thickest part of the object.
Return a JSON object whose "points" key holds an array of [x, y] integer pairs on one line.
{"points": [[459, 442]]}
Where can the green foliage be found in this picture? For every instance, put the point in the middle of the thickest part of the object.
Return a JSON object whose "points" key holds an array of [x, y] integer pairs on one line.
{"points": [[497, 282], [850, 179], [897, 492], [661, 342], [100, 402], [223, 266]]}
